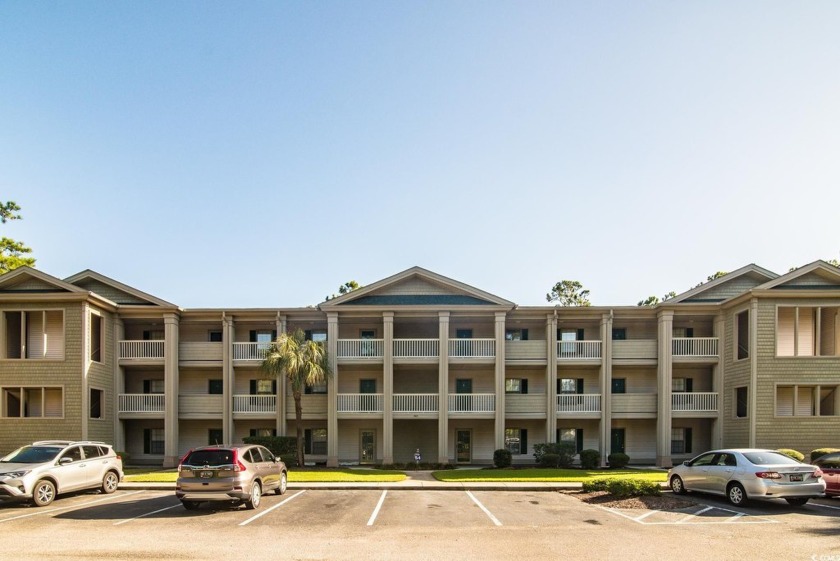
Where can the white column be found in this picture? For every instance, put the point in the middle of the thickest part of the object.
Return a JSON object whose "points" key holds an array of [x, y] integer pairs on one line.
{"points": [[228, 378], [85, 417], [664, 373], [119, 386], [717, 382], [281, 385], [500, 380], [606, 387], [332, 390], [443, 389], [551, 377], [170, 374], [753, 389], [388, 389]]}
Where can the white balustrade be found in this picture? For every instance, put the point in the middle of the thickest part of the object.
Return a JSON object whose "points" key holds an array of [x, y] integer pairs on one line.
{"points": [[694, 346], [359, 402], [694, 401], [579, 403], [249, 351], [416, 348], [472, 348], [361, 348], [141, 349], [472, 403], [578, 350], [141, 403], [254, 403], [415, 403]]}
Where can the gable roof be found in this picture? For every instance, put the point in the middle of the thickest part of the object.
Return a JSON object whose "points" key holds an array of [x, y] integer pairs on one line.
{"points": [[114, 290], [728, 286], [417, 287], [27, 279], [818, 275]]}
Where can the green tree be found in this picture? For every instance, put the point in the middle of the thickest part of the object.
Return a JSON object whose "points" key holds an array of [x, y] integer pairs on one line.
{"points": [[345, 288], [303, 363], [713, 277], [568, 293], [13, 254], [654, 300]]}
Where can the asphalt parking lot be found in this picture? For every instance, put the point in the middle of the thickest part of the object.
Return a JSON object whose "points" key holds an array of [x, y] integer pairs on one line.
{"points": [[412, 524]]}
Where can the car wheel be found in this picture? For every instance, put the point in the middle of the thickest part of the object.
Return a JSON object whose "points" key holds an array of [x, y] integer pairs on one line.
{"points": [[283, 483], [736, 494], [43, 493], [110, 482], [256, 494], [190, 505], [677, 485], [797, 501]]}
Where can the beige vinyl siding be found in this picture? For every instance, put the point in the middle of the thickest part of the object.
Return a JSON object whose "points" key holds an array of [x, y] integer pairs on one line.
{"points": [[111, 293], [483, 329], [134, 378], [410, 434], [731, 288], [353, 329], [101, 376], [482, 381], [591, 377], [639, 380], [193, 434], [536, 435], [414, 286], [416, 329], [591, 438], [349, 438], [313, 406], [348, 382], [702, 377], [812, 279], [35, 284], [415, 380], [639, 438], [482, 438], [197, 332], [195, 381], [737, 374]]}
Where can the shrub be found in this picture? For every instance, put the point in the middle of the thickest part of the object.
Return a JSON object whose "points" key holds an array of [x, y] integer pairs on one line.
{"points": [[123, 455], [618, 460], [502, 458], [563, 450], [798, 456], [595, 485], [550, 461], [589, 459], [623, 488], [820, 452]]}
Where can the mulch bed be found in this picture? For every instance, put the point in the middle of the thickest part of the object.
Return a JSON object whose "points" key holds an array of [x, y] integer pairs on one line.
{"points": [[665, 501]]}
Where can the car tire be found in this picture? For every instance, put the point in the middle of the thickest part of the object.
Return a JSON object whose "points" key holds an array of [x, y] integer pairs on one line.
{"points": [[798, 501], [281, 489], [43, 493], [677, 485], [110, 482], [255, 498], [190, 505], [736, 495]]}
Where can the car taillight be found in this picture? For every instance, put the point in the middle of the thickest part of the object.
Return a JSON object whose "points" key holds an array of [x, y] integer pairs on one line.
{"points": [[768, 475], [237, 465], [817, 473], [182, 460]]}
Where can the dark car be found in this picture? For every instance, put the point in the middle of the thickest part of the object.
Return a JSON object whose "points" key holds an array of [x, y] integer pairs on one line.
{"points": [[240, 474], [830, 466]]}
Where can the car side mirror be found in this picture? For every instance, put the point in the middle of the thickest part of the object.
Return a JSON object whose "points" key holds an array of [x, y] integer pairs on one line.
{"points": [[687, 463], [64, 461]]}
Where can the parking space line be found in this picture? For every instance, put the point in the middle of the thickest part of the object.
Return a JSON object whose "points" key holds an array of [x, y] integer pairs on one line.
{"points": [[735, 518], [266, 511], [109, 497], [645, 515], [376, 510], [482, 507], [690, 516], [144, 515], [826, 506]]}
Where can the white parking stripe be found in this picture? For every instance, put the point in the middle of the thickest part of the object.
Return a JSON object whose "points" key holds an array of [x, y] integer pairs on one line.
{"points": [[690, 516], [266, 511], [482, 507], [735, 518], [826, 506], [108, 498], [147, 514], [376, 510], [645, 515]]}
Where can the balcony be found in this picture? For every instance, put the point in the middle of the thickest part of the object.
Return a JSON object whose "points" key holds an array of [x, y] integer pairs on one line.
{"points": [[579, 350], [690, 403], [472, 403], [472, 348], [313, 406], [361, 349], [525, 350], [250, 351], [416, 348], [635, 350], [142, 350], [579, 405], [141, 403], [634, 405], [200, 406], [416, 403], [254, 404], [360, 402], [694, 347], [200, 351]]}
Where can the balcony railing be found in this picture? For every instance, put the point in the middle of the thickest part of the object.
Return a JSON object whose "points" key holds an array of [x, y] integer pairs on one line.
{"points": [[579, 403], [359, 403], [695, 346], [254, 403], [472, 403], [416, 348], [361, 348], [472, 348], [249, 351], [141, 403], [578, 350], [415, 402], [141, 349], [694, 401]]}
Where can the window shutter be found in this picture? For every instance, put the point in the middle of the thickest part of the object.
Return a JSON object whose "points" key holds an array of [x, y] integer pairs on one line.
{"points": [[580, 334], [523, 441], [274, 387], [579, 385], [273, 334], [687, 441], [252, 336], [524, 334], [307, 335], [147, 388], [307, 441], [147, 335], [689, 332], [579, 438], [559, 388], [523, 385], [689, 385], [252, 387], [147, 440]]}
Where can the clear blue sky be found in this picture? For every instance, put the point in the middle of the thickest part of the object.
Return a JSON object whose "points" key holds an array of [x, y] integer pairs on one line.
{"points": [[260, 154]]}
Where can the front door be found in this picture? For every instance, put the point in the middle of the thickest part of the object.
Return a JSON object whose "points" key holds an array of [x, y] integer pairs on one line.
{"points": [[617, 441], [367, 447], [463, 447]]}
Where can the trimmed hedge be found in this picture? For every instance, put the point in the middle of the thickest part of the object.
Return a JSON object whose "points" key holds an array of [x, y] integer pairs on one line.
{"points": [[564, 451], [618, 460], [820, 452], [502, 458], [589, 459], [550, 461], [790, 453], [623, 488]]}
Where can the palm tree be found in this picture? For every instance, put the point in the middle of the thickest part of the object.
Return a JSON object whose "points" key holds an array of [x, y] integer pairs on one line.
{"points": [[303, 363]]}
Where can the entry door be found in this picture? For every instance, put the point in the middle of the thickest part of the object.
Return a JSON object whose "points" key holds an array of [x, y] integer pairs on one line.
{"points": [[367, 447], [463, 446], [617, 440]]}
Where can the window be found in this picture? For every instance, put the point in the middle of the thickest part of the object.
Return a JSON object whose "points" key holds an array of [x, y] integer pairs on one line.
{"points": [[516, 334], [263, 387], [315, 442], [567, 338], [683, 332], [34, 335], [571, 436], [516, 385], [619, 333], [215, 436], [316, 388], [570, 385], [154, 335], [27, 402], [804, 401], [153, 386], [214, 336], [153, 441], [742, 335], [262, 432], [317, 335], [215, 387], [97, 400], [741, 402], [680, 441], [367, 334], [96, 338], [619, 385], [516, 441], [682, 385], [463, 333]]}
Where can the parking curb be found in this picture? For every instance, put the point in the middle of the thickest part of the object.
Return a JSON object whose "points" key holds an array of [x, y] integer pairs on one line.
{"points": [[400, 486]]}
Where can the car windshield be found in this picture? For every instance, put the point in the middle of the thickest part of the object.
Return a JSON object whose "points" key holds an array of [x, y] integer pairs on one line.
{"points": [[209, 458], [769, 458], [32, 455]]}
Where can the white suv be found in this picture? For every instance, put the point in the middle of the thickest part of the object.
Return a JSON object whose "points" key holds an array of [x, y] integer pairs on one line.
{"points": [[42, 470]]}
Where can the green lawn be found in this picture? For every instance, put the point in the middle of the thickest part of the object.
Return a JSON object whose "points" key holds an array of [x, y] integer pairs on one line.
{"points": [[550, 475], [295, 476]]}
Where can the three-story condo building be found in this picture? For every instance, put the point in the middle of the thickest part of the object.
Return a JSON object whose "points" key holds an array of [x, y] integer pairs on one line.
{"points": [[423, 361]]}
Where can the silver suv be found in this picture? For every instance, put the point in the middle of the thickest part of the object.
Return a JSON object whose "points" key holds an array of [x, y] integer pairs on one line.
{"points": [[42, 470], [240, 474]]}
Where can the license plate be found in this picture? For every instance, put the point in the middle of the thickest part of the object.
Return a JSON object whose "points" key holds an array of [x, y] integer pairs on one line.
{"points": [[209, 474], [796, 478]]}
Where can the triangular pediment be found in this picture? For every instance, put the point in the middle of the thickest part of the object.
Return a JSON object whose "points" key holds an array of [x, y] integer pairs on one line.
{"points": [[29, 280], [114, 291], [728, 286], [418, 287], [818, 275]]}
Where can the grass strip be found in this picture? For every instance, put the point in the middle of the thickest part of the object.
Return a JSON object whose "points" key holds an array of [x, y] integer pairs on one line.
{"points": [[546, 475]]}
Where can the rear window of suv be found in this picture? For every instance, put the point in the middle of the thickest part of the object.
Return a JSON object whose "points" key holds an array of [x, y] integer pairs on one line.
{"points": [[209, 458]]}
